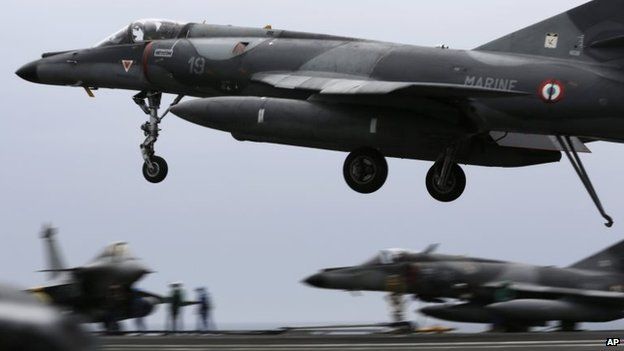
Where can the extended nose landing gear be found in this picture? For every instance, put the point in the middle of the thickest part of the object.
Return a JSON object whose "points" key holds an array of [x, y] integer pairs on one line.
{"points": [[155, 168], [446, 181], [396, 302]]}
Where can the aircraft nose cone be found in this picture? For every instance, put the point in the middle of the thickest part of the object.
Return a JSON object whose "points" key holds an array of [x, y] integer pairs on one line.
{"points": [[29, 72], [317, 281]]}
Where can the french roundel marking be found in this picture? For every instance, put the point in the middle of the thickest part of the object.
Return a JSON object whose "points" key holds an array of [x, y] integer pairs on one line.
{"points": [[551, 91]]}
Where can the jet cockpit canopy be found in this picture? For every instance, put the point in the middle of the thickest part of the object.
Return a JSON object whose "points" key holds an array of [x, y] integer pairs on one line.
{"points": [[145, 30], [389, 256], [116, 252]]}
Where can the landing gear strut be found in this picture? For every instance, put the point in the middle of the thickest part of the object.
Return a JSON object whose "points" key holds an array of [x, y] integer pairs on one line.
{"points": [[446, 181], [397, 307], [577, 164], [155, 168], [365, 170]]}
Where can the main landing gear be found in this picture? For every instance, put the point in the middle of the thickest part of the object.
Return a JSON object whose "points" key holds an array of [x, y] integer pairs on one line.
{"points": [[155, 168], [112, 328], [366, 170], [446, 181]]}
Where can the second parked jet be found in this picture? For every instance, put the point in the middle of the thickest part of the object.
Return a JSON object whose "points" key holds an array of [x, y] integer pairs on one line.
{"points": [[511, 296]]}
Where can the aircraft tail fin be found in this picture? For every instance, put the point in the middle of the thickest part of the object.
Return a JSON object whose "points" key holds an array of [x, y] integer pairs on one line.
{"points": [[591, 32], [55, 263], [608, 260]]}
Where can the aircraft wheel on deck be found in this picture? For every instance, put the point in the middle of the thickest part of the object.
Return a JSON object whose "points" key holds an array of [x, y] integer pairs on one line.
{"points": [[365, 170], [568, 326], [158, 170], [112, 328], [454, 186], [510, 327]]}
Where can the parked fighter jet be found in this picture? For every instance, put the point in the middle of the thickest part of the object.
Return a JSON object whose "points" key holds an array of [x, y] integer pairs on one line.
{"points": [[511, 296], [101, 291], [517, 101], [28, 324]]}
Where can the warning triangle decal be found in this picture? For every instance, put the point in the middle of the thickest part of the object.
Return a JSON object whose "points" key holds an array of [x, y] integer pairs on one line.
{"points": [[127, 64]]}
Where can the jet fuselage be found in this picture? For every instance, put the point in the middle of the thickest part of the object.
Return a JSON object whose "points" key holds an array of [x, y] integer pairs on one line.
{"points": [[588, 105]]}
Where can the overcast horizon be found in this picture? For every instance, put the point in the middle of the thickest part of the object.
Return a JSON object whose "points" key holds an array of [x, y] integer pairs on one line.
{"points": [[247, 220]]}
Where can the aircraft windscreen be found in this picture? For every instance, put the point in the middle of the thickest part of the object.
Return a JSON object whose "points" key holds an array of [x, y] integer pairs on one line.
{"points": [[120, 37], [116, 252], [144, 30], [389, 256]]}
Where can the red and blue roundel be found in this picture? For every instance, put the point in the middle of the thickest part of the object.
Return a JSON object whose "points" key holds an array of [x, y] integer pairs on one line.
{"points": [[551, 91]]}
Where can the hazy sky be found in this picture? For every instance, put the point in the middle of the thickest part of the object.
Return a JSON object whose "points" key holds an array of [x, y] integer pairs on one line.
{"points": [[251, 220]]}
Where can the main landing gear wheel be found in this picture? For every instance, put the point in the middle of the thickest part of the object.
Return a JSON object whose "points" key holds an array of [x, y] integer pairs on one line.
{"points": [[112, 328], [157, 171], [568, 327], [449, 189], [365, 170]]}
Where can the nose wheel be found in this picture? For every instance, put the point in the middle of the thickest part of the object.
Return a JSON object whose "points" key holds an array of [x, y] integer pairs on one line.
{"points": [[446, 181], [155, 171], [365, 170], [155, 168]]}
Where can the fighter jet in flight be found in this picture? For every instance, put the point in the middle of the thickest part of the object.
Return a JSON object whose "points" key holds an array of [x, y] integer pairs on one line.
{"points": [[517, 101], [28, 324], [510, 296], [101, 291]]}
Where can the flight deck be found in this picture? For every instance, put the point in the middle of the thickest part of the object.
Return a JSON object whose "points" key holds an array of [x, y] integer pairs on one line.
{"points": [[578, 341]]}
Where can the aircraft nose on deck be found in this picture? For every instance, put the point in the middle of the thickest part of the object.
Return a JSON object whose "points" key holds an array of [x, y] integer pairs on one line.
{"points": [[317, 281], [29, 72]]}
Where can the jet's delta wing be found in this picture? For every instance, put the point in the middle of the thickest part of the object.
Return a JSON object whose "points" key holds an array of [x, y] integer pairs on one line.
{"points": [[164, 299]]}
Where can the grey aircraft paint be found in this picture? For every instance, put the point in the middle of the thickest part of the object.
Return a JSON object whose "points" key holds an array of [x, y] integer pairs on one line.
{"points": [[517, 101], [509, 295]]}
